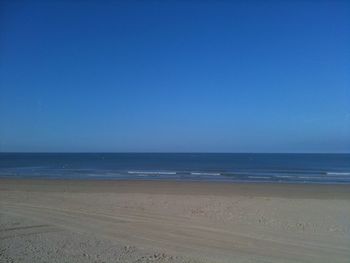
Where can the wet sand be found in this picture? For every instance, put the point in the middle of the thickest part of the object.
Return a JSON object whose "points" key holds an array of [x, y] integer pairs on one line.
{"points": [[148, 221]]}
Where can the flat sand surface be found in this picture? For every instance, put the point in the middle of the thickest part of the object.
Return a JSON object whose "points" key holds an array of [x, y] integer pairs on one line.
{"points": [[148, 221]]}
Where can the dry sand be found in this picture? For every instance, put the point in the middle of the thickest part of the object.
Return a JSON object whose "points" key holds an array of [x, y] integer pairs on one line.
{"points": [[124, 221]]}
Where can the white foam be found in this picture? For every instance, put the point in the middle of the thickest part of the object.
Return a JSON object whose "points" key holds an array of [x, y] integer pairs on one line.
{"points": [[324, 177], [150, 172], [196, 173], [312, 177], [283, 176], [338, 173]]}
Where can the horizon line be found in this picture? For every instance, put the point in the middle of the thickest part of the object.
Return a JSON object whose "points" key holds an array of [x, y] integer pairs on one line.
{"points": [[150, 152]]}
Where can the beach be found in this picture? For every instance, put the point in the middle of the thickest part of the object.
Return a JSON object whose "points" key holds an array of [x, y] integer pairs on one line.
{"points": [[160, 221]]}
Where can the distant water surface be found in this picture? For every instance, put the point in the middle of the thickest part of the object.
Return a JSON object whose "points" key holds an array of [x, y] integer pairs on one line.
{"points": [[292, 168]]}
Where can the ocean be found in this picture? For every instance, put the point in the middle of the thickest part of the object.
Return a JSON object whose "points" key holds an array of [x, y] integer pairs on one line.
{"points": [[216, 167]]}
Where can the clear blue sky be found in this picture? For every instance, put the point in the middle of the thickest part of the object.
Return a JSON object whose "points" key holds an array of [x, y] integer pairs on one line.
{"points": [[175, 76]]}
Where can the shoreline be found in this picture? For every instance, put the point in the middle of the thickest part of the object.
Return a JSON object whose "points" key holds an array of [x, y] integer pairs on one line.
{"points": [[291, 190]]}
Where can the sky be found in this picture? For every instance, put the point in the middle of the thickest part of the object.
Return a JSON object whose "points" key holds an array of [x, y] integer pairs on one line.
{"points": [[175, 76]]}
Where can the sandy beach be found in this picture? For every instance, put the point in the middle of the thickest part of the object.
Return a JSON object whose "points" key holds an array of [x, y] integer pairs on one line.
{"points": [[145, 221]]}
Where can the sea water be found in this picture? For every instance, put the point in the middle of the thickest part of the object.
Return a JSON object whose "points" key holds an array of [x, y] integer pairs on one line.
{"points": [[282, 168]]}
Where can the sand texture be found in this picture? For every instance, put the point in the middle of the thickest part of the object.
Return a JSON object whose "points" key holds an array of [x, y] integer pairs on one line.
{"points": [[124, 221]]}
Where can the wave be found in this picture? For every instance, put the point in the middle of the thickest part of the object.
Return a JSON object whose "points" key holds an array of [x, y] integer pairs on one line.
{"points": [[323, 178], [198, 173], [338, 173], [284, 176], [151, 172], [312, 177], [259, 177]]}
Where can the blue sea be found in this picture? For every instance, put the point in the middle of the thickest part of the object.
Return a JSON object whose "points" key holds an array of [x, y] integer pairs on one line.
{"points": [[217, 167]]}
